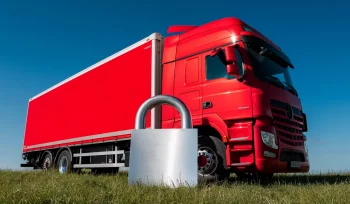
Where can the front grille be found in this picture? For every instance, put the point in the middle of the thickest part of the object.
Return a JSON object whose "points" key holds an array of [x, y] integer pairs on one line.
{"points": [[292, 156], [289, 131]]}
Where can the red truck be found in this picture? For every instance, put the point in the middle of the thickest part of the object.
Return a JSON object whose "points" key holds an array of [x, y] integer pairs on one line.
{"points": [[235, 82]]}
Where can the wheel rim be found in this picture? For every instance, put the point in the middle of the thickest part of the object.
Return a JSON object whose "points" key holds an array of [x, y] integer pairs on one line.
{"points": [[46, 164], [207, 160], [63, 165]]}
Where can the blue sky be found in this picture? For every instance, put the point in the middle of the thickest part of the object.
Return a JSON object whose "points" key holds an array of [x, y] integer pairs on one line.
{"points": [[42, 43]]}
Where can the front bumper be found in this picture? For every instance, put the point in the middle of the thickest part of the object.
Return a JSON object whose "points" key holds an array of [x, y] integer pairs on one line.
{"points": [[270, 165], [287, 159]]}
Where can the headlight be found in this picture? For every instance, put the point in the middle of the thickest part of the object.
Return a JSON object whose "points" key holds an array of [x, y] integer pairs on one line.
{"points": [[269, 139]]}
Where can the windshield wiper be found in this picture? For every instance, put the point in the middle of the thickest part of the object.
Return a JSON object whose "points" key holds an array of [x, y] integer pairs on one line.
{"points": [[277, 80], [293, 89]]}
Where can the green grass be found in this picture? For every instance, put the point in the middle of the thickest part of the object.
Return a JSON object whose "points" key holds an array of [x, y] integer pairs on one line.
{"points": [[51, 187]]}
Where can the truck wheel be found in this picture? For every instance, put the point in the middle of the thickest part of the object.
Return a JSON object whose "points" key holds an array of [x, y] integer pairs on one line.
{"points": [[47, 162], [211, 159], [64, 162]]}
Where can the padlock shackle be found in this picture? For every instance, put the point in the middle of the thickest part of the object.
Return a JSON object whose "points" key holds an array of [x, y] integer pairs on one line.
{"points": [[186, 119]]}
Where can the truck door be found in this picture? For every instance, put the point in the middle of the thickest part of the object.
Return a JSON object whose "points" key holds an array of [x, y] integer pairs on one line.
{"points": [[224, 95], [187, 86]]}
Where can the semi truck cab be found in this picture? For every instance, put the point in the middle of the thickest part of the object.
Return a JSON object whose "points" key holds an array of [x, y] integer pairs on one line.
{"points": [[238, 87]]}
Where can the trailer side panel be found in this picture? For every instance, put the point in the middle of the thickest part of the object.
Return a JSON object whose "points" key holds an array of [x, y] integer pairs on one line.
{"points": [[95, 106]]}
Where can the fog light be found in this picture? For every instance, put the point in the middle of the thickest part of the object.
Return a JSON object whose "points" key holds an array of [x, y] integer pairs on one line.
{"points": [[269, 154]]}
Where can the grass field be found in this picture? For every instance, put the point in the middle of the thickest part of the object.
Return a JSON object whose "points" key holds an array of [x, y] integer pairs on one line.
{"points": [[51, 187]]}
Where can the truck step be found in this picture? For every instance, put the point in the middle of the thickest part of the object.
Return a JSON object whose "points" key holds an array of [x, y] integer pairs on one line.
{"points": [[240, 150], [241, 164], [239, 139]]}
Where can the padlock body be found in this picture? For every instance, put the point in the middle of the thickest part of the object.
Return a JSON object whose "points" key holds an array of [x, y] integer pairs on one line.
{"points": [[164, 156]]}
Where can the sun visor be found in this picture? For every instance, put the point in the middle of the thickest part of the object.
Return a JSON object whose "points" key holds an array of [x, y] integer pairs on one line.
{"points": [[283, 59]]}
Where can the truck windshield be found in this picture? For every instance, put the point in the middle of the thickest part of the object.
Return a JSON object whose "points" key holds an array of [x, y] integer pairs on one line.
{"points": [[267, 67]]}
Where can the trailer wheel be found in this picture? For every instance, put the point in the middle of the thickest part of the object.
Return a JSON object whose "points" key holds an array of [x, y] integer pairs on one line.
{"points": [[211, 159], [47, 162], [64, 162]]}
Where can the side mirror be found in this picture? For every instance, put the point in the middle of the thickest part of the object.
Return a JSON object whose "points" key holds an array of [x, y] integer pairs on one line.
{"points": [[230, 54], [231, 59], [232, 69]]}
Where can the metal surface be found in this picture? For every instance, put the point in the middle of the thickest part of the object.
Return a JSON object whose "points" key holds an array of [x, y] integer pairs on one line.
{"points": [[99, 153], [164, 156], [207, 160], [47, 164], [63, 165], [186, 119], [99, 165], [102, 165]]}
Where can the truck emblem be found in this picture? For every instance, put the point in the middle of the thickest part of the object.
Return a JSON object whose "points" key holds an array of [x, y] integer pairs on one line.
{"points": [[289, 111]]}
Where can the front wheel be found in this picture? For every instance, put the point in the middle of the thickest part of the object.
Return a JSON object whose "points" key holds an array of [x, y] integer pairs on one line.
{"points": [[211, 159]]}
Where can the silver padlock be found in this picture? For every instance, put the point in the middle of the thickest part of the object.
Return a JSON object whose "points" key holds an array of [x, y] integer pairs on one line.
{"points": [[163, 156]]}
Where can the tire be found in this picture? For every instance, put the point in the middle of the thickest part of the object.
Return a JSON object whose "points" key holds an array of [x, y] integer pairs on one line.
{"points": [[211, 159], [47, 162], [64, 162]]}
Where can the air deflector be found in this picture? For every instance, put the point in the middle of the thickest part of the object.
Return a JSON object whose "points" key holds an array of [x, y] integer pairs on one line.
{"points": [[180, 28]]}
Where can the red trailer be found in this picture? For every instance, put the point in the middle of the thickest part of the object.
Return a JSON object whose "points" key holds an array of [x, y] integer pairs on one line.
{"points": [[250, 120]]}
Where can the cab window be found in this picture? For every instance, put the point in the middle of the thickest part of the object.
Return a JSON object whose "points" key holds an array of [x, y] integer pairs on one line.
{"points": [[216, 69]]}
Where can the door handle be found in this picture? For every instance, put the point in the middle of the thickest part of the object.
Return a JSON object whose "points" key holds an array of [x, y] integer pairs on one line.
{"points": [[207, 104]]}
